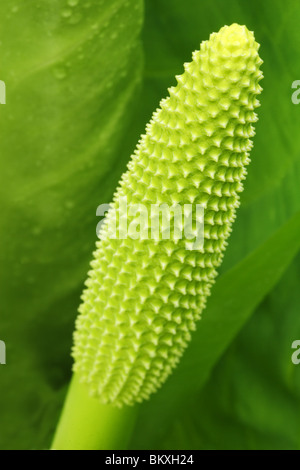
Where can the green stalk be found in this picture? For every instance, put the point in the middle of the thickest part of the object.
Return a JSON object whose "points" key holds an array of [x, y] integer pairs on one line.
{"points": [[86, 424]]}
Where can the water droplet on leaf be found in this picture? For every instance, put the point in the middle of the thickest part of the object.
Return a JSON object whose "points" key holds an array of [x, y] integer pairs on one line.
{"points": [[36, 231], [60, 73], [66, 13]]}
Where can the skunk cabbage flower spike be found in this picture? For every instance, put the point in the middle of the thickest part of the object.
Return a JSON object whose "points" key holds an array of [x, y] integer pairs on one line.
{"points": [[144, 296]]}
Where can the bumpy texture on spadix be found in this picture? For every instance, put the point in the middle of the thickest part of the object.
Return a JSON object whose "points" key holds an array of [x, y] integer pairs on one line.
{"points": [[143, 297]]}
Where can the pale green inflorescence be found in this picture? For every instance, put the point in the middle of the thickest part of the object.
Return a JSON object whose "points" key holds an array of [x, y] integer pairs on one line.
{"points": [[143, 297]]}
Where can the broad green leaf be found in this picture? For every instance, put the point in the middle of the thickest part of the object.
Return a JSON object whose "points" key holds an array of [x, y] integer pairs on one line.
{"points": [[72, 71], [254, 391]]}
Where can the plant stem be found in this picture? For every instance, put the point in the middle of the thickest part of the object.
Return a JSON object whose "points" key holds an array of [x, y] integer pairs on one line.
{"points": [[86, 424]]}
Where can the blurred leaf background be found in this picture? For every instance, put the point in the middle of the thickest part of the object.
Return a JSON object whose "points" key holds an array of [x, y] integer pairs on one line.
{"points": [[82, 79]]}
